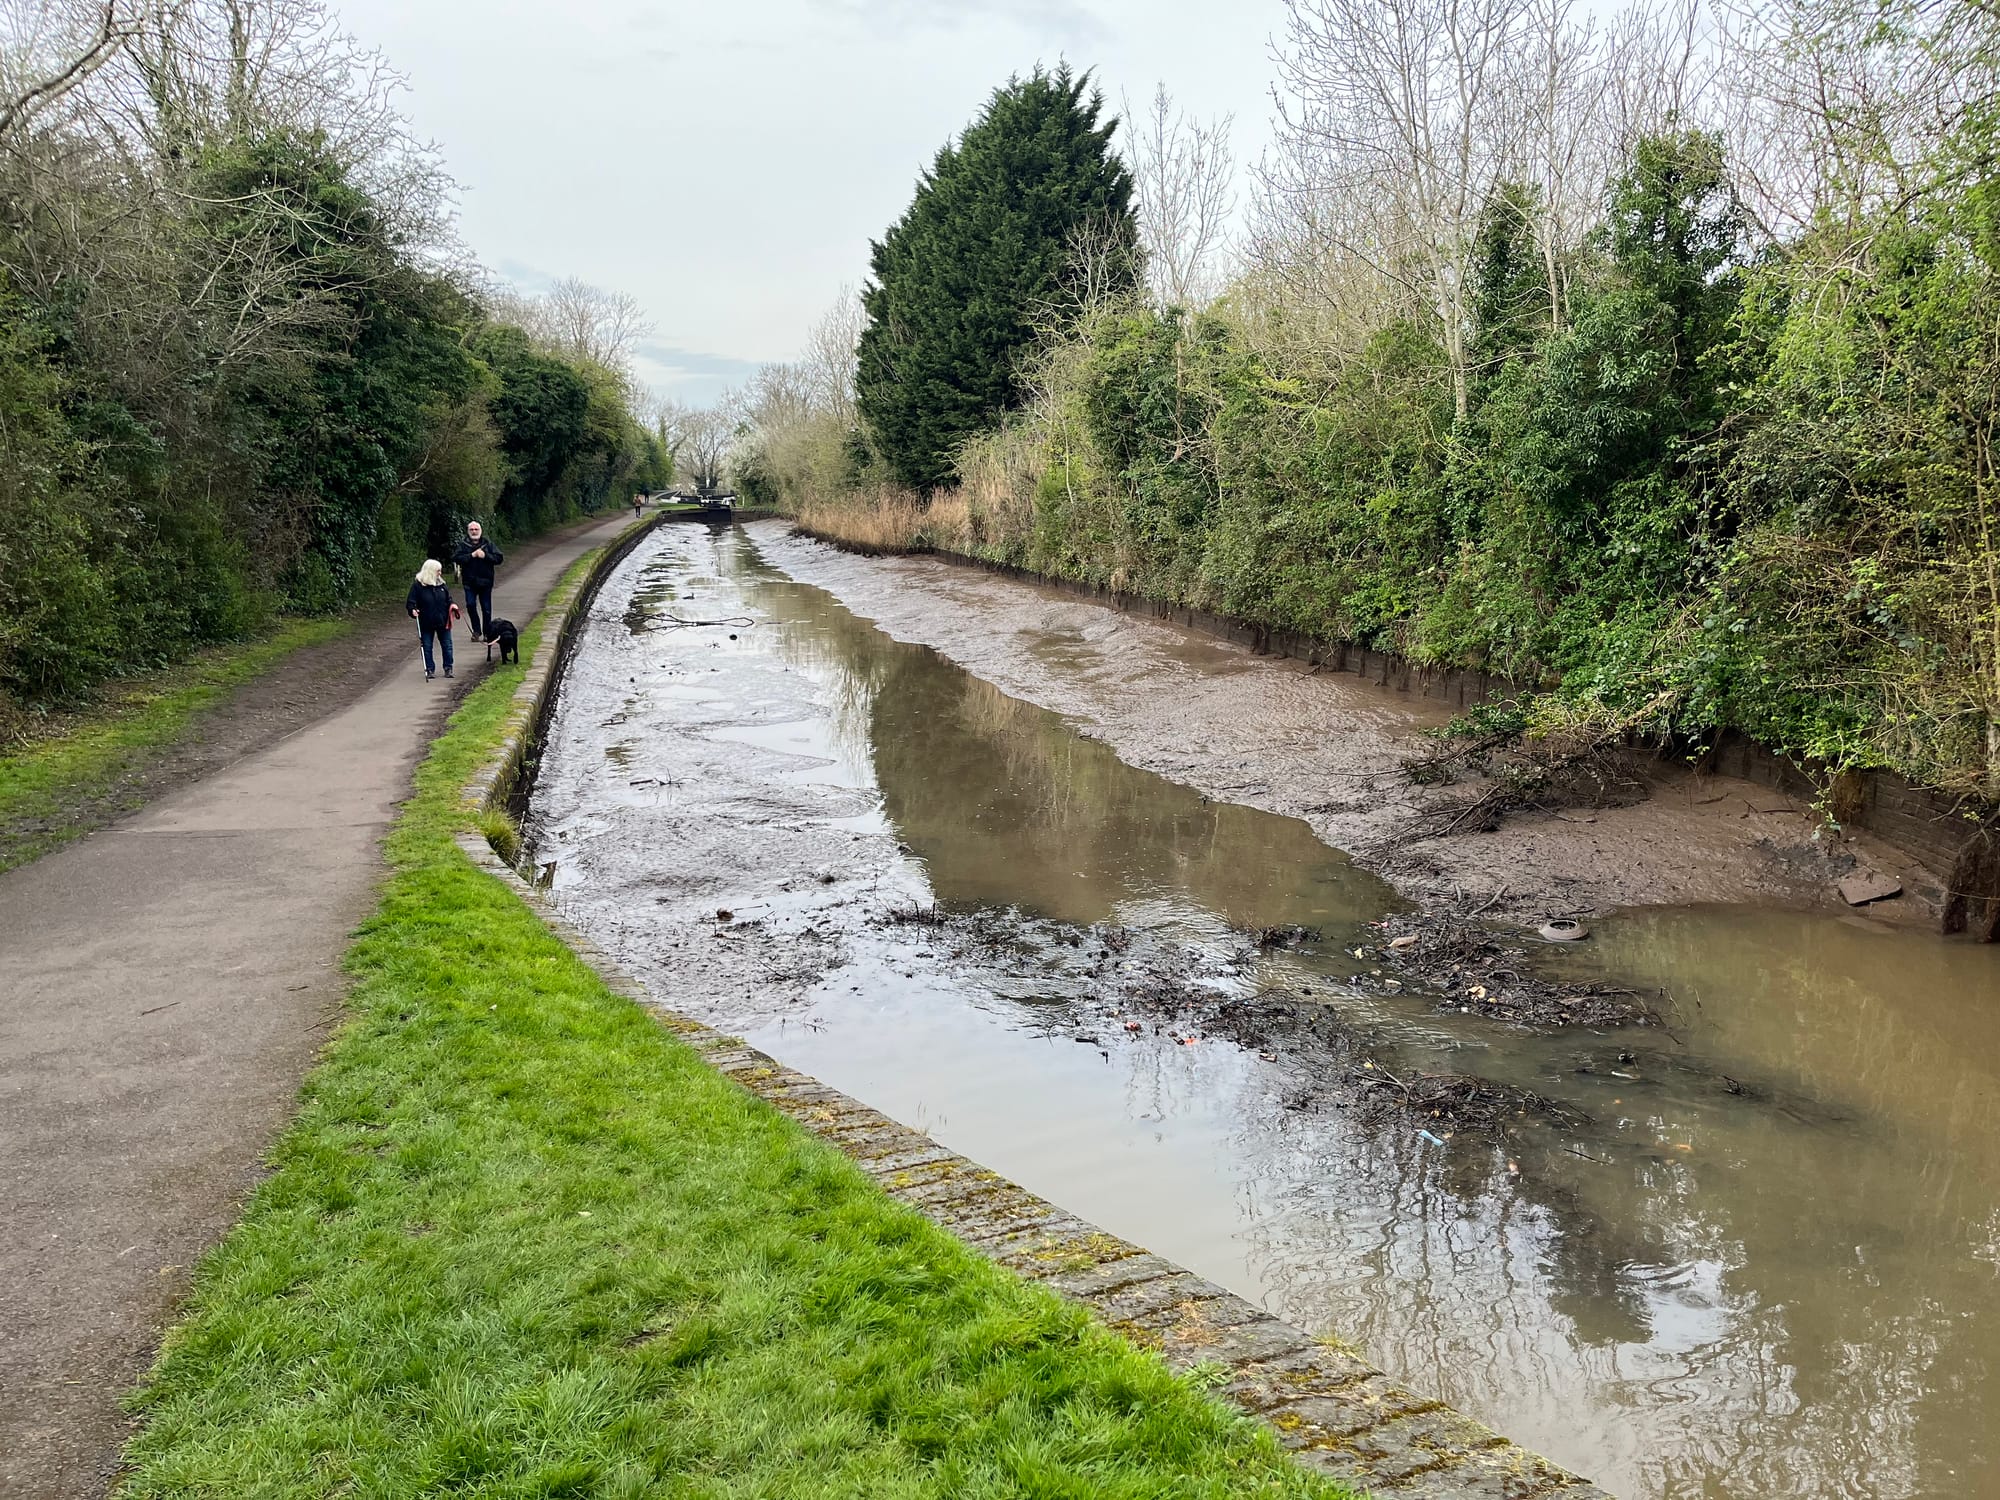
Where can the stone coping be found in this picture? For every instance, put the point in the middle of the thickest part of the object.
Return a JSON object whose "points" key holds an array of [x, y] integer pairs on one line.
{"points": [[1334, 1411]]}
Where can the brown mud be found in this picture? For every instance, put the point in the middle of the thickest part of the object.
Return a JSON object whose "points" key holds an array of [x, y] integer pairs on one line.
{"points": [[1328, 748], [1117, 981], [1742, 1243]]}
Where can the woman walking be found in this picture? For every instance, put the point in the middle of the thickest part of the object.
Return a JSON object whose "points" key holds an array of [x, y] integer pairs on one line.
{"points": [[430, 606]]}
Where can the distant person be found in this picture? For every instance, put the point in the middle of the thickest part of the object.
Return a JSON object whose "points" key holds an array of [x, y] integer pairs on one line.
{"points": [[429, 604], [637, 502], [477, 557]]}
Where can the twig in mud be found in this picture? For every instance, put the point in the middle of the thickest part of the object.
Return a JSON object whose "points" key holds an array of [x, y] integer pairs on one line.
{"points": [[916, 916], [1462, 1100], [1443, 765], [678, 622], [1491, 901], [1471, 966], [1547, 774], [1284, 936]]}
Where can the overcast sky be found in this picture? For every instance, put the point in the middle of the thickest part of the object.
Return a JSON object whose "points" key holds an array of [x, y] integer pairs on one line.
{"points": [[728, 161]]}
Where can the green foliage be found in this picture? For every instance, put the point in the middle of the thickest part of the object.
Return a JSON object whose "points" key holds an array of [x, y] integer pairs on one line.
{"points": [[284, 410], [756, 479], [1512, 303], [1691, 490], [55, 608], [1533, 536], [339, 426], [541, 413], [1858, 617], [987, 252]]}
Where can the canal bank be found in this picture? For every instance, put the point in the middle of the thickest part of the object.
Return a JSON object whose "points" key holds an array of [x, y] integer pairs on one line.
{"points": [[1736, 822], [522, 1239], [1335, 1412], [945, 901]]}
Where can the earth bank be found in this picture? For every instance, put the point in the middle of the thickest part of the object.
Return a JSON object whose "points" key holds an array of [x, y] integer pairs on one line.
{"points": [[1274, 733]]}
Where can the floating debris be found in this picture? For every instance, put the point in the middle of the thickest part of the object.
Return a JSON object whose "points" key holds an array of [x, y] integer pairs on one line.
{"points": [[1473, 967], [1286, 936]]}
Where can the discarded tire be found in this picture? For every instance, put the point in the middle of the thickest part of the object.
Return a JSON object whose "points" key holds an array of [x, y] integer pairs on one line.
{"points": [[1563, 930]]}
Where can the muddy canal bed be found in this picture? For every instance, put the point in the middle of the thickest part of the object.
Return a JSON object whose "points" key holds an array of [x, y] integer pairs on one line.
{"points": [[1332, 750], [1751, 1251]]}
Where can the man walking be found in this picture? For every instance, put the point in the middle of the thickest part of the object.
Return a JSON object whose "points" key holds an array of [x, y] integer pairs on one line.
{"points": [[477, 558]]}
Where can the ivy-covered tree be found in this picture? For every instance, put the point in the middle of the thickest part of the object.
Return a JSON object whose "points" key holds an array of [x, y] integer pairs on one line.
{"points": [[1510, 284], [541, 414], [987, 251], [1573, 480], [235, 378]]}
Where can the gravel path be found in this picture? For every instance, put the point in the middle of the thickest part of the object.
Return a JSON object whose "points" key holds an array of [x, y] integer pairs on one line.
{"points": [[168, 981]]}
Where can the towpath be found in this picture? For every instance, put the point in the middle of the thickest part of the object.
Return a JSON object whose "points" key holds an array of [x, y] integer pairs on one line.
{"points": [[164, 985]]}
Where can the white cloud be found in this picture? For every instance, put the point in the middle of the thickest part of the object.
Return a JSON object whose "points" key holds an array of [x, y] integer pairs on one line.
{"points": [[728, 163]]}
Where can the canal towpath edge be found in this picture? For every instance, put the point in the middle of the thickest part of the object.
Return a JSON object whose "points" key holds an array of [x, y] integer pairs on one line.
{"points": [[168, 983]]}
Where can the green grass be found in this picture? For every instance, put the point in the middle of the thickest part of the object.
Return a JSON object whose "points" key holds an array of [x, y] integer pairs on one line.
{"points": [[522, 1242], [46, 785]]}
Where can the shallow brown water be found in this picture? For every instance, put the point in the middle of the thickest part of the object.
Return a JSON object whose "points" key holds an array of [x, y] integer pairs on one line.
{"points": [[1768, 1266]]}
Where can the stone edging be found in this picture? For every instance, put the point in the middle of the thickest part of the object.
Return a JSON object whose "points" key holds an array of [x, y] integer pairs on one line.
{"points": [[1336, 1413]]}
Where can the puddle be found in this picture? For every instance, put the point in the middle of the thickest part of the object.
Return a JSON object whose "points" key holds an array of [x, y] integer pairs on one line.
{"points": [[1762, 1258]]}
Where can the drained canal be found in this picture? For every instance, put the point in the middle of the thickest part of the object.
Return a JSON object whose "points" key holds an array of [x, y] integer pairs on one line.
{"points": [[1753, 1251]]}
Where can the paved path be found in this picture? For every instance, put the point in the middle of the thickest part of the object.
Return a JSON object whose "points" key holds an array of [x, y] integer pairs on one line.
{"points": [[164, 985]]}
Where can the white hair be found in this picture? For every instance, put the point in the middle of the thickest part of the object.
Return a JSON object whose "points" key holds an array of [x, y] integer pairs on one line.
{"points": [[431, 573]]}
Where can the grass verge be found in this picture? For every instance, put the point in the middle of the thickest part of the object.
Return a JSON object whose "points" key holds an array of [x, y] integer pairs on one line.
{"points": [[522, 1242], [41, 783]]}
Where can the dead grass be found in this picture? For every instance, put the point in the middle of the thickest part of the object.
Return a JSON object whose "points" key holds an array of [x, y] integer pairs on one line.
{"points": [[886, 519]]}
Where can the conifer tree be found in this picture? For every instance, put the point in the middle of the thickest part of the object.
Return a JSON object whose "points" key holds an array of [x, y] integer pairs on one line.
{"points": [[985, 251]]}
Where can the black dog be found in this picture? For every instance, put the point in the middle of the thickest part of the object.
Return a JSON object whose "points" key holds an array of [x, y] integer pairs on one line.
{"points": [[508, 637]]}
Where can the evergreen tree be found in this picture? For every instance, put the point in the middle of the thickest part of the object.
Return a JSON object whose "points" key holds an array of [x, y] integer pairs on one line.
{"points": [[985, 250]]}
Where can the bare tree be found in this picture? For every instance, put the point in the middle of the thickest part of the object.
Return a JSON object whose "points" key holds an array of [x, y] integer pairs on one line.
{"points": [[49, 47], [781, 395], [1184, 170], [1402, 121], [104, 165], [1582, 89], [196, 71], [795, 421], [701, 442], [1837, 107], [1396, 110], [588, 322], [831, 349], [1102, 270]]}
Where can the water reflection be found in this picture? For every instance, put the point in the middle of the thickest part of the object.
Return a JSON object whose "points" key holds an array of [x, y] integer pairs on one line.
{"points": [[1770, 1267]]}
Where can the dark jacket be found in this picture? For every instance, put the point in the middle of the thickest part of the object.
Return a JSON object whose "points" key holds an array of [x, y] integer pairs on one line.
{"points": [[432, 602], [477, 572]]}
